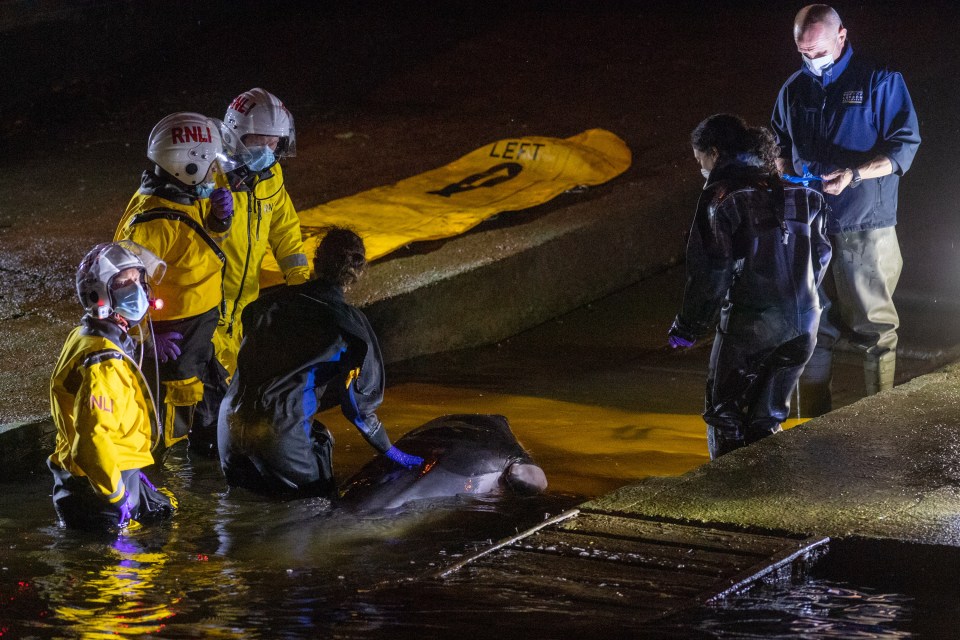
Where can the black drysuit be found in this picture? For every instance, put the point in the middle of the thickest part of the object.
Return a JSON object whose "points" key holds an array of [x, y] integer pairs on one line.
{"points": [[757, 253], [297, 341]]}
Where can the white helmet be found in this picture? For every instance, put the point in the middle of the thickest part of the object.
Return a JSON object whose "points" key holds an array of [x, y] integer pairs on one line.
{"points": [[260, 112], [185, 145], [103, 263]]}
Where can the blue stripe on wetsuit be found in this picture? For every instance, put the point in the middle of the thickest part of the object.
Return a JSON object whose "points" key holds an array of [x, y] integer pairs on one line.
{"points": [[309, 391]]}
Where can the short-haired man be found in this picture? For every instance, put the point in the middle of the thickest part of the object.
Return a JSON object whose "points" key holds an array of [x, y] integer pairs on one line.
{"points": [[845, 120]]}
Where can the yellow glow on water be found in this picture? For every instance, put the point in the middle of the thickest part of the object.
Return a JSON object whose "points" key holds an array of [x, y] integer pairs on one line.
{"points": [[119, 599], [584, 449]]}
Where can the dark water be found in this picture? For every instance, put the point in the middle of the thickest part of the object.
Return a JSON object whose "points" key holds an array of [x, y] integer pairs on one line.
{"points": [[597, 402], [230, 565]]}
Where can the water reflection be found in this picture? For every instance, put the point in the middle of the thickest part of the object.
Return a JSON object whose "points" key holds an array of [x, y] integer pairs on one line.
{"points": [[232, 565], [119, 598], [814, 610]]}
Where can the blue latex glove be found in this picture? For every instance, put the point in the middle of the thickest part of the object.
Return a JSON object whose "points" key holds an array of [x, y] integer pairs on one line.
{"points": [[404, 459], [678, 338], [166, 344], [805, 179], [221, 203]]}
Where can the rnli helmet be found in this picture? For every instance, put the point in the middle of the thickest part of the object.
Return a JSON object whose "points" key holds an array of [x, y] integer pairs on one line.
{"points": [[258, 111], [185, 145], [102, 263]]}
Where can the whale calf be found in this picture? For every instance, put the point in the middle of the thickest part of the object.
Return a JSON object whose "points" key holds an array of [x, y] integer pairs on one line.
{"points": [[464, 454]]}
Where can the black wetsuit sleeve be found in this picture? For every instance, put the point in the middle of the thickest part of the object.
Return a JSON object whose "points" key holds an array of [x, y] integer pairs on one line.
{"points": [[710, 262]]}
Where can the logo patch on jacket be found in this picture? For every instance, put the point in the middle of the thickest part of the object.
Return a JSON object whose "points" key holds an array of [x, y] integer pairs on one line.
{"points": [[852, 97], [102, 403]]}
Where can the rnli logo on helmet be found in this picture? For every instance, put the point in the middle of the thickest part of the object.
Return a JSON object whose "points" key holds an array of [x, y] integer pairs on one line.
{"points": [[853, 97], [242, 104], [183, 135]]}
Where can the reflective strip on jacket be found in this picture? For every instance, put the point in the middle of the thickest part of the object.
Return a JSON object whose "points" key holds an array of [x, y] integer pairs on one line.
{"points": [[102, 408], [193, 282]]}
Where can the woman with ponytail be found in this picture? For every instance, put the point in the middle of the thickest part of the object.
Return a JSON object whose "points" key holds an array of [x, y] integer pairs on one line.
{"points": [[756, 254], [297, 342]]}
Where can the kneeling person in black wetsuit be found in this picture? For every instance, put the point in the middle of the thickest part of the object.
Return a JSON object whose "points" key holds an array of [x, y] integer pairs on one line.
{"points": [[296, 342]]}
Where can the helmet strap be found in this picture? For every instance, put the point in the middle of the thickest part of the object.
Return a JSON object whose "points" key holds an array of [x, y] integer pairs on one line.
{"points": [[120, 321]]}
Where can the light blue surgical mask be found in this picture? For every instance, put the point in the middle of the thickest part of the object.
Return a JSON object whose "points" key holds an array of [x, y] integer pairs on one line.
{"points": [[260, 158], [818, 65], [204, 189], [131, 302], [705, 173]]}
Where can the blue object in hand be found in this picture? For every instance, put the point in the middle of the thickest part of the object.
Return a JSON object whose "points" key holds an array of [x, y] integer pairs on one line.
{"points": [[166, 344], [805, 179], [407, 460]]}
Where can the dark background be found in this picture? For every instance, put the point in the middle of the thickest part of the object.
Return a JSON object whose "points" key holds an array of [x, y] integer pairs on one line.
{"points": [[381, 91]]}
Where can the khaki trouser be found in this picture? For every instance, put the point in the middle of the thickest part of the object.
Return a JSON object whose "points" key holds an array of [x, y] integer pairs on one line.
{"points": [[866, 267]]}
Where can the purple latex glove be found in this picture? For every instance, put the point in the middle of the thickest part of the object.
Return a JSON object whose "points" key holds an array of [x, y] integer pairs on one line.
{"points": [[166, 344], [126, 510], [145, 480], [678, 338], [221, 203], [407, 460]]}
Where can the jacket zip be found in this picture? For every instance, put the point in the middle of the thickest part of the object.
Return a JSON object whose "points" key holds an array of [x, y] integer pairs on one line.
{"points": [[246, 265]]}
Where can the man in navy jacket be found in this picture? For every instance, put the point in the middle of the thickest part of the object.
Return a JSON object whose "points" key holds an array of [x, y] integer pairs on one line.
{"points": [[849, 123]]}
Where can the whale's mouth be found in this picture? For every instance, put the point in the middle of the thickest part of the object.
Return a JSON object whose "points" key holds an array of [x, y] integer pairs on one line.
{"points": [[525, 479]]}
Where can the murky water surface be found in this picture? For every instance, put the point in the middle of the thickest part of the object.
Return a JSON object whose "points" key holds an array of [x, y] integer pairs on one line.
{"points": [[597, 402]]}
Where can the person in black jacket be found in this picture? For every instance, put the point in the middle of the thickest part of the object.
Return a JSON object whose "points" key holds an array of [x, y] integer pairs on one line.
{"points": [[756, 254], [297, 341]]}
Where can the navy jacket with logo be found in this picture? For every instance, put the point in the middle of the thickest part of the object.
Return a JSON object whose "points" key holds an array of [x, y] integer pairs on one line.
{"points": [[854, 112]]}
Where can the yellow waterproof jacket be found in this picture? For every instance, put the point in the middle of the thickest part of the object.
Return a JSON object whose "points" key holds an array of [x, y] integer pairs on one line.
{"points": [[102, 408], [169, 222], [264, 219]]}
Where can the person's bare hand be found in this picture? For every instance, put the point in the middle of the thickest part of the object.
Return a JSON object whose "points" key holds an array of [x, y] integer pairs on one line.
{"points": [[837, 181]]}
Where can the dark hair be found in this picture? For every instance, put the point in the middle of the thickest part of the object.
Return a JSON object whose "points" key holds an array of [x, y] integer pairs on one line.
{"points": [[731, 137], [340, 258]]}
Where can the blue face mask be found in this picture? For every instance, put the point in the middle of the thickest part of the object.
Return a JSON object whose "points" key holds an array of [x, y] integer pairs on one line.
{"points": [[131, 302], [204, 189], [260, 158]]}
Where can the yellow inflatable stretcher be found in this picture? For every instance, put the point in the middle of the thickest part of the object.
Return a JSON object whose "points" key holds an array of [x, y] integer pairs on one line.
{"points": [[507, 175]]}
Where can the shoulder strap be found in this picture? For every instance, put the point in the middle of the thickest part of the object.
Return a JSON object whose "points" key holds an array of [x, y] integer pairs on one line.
{"points": [[180, 216]]}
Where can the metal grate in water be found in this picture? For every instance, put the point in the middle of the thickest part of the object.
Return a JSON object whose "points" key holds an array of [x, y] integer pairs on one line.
{"points": [[611, 560]]}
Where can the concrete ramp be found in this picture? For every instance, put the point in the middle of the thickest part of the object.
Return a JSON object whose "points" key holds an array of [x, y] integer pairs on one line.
{"points": [[613, 560]]}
